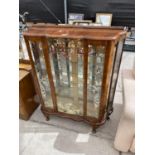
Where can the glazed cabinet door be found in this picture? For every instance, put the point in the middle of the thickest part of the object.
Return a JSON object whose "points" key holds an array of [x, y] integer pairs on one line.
{"points": [[66, 60], [77, 67], [96, 59]]}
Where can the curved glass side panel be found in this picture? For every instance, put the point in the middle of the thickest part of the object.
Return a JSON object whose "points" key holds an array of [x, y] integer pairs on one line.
{"points": [[115, 73], [40, 68]]}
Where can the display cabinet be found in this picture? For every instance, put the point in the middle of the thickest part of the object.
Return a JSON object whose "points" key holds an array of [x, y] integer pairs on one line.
{"points": [[75, 69]]}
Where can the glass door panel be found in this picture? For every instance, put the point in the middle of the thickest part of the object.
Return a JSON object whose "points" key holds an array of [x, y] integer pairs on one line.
{"points": [[96, 58], [67, 68]]}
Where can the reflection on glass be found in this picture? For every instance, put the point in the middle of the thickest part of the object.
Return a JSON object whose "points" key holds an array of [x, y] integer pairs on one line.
{"points": [[95, 73], [23, 54], [39, 63], [67, 69], [115, 72]]}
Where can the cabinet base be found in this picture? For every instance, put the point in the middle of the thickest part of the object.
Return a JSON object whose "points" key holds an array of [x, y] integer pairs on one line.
{"points": [[94, 122]]}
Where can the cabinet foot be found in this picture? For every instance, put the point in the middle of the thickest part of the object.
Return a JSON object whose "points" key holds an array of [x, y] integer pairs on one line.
{"points": [[108, 117], [47, 118], [94, 129], [109, 113]]}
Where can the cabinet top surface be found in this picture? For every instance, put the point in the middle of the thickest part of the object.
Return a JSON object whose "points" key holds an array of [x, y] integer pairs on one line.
{"points": [[22, 74], [76, 32]]}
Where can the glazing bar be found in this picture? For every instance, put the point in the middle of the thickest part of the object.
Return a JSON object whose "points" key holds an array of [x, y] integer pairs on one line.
{"points": [[93, 64], [85, 76], [67, 62], [56, 67], [74, 63]]}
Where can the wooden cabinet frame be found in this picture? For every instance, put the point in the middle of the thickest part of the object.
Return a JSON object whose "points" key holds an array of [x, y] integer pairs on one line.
{"points": [[109, 37]]}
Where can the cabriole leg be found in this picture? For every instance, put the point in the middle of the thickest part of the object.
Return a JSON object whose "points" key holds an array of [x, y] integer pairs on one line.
{"points": [[46, 115], [94, 129]]}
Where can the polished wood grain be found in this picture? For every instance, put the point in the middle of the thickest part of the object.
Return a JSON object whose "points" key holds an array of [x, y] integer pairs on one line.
{"points": [[25, 66], [76, 33], [76, 26], [85, 75], [27, 94], [24, 61]]}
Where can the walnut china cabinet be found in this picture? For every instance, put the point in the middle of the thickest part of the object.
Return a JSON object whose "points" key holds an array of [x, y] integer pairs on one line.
{"points": [[75, 69]]}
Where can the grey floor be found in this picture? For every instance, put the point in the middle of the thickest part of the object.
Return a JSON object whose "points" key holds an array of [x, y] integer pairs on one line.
{"points": [[61, 136]]}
